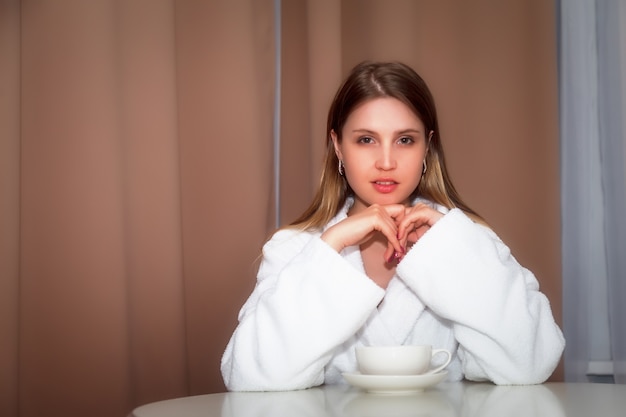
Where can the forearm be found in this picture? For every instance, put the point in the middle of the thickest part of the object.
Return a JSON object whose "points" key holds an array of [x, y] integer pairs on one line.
{"points": [[297, 318], [502, 322]]}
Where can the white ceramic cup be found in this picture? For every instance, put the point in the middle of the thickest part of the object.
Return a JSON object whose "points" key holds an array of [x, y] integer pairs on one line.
{"points": [[399, 360]]}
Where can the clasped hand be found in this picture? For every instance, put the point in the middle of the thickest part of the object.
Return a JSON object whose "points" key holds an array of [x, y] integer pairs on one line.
{"points": [[401, 226]]}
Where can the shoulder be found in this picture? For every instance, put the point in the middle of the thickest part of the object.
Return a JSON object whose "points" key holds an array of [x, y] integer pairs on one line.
{"points": [[286, 242], [300, 248], [297, 237], [288, 236]]}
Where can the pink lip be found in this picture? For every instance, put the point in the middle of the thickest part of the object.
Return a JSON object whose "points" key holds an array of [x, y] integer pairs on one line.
{"points": [[384, 185]]}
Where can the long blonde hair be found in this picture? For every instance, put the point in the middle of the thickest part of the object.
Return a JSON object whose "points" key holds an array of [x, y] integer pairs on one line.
{"points": [[367, 81]]}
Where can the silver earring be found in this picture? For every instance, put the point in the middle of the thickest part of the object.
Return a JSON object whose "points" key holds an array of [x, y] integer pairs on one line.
{"points": [[341, 170], [424, 167]]}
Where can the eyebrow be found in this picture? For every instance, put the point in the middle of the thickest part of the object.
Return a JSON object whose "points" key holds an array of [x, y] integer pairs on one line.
{"points": [[399, 132]]}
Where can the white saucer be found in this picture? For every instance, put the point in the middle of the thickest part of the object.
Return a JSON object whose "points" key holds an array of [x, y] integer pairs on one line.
{"points": [[394, 384]]}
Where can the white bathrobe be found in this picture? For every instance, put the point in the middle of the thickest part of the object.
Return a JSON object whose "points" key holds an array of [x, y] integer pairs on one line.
{"points": [[458, 288]]}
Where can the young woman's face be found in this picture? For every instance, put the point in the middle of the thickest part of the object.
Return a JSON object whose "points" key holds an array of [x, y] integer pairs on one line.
{"points": [[383, 149]]}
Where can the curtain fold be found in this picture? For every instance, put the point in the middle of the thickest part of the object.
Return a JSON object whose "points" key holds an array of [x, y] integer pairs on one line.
{"points": [[136, 168], [311, 71], [584, 272], [100, 207], [146, 114], [225, 81], [593, 155], [9, 203], [611, 24]]}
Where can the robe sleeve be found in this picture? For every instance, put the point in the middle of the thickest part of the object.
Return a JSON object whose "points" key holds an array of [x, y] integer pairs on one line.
{"points": [[307, 301], [504, 325]]}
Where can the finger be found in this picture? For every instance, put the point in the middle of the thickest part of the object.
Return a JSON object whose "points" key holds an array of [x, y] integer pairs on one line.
{"points": [[395, 211], [390, 231], [392, 256], [407, 226], [417, 217], [389, 253], [404, 241]]}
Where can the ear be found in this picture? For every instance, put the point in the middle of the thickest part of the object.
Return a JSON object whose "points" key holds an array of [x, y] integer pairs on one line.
{"points": [[333, 137], [430, 136]]}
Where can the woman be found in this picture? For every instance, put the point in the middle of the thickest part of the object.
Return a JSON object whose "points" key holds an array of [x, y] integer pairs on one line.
{"points": [[388, 254]]}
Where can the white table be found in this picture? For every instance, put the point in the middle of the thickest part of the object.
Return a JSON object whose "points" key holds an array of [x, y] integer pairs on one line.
{"points": [[446, 399]]}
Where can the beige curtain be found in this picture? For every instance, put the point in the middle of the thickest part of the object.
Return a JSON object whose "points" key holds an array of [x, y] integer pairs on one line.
{"points": [[136, 168]]}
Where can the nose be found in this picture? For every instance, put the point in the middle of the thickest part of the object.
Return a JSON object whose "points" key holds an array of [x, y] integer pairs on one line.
{"points": [[386, 159]]}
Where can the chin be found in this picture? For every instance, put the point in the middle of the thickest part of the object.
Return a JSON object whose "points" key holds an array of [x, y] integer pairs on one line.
{"points": [[388, 201]]}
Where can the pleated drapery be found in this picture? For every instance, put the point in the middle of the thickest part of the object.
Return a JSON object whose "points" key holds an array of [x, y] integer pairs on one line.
{"points": [[141, 135], [592, 42], [136, 168]]}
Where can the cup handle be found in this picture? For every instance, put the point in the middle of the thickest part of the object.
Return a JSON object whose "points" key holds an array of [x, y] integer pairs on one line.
{"points": [[439, 368]]}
